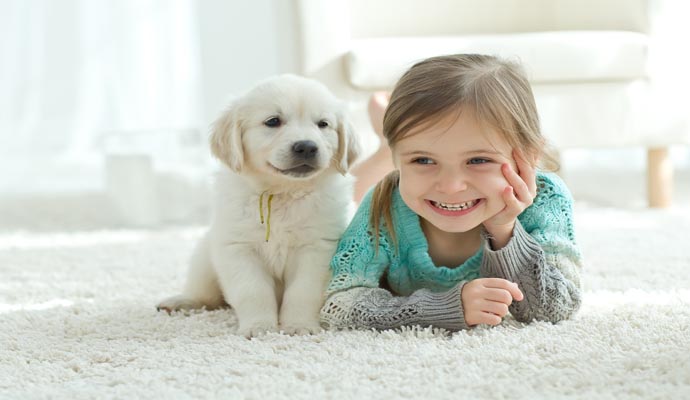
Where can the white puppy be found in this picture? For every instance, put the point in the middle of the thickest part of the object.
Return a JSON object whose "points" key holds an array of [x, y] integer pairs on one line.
{"points": [[282, 202]]}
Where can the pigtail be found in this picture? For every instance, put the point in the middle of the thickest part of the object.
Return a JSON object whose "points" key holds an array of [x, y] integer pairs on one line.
{"points": [[381, 207]]}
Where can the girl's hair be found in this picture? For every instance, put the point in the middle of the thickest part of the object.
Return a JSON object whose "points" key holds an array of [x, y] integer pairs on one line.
{"points": [[497, 92]]}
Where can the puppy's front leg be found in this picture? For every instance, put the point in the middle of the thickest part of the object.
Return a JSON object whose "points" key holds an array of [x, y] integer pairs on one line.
{"points": [[248, 287], [306, 279]]}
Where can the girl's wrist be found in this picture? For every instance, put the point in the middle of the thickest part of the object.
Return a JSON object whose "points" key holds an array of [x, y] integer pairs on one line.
{"points": [[499, 236]]}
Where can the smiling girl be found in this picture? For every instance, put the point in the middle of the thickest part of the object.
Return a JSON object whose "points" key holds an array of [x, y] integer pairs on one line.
{"points": [[469, 226]]}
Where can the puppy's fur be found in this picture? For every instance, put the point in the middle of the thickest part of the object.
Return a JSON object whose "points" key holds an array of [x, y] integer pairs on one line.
{"points": [[286, 147]]}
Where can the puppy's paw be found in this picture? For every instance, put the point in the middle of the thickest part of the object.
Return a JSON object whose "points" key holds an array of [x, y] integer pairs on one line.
{"points": [[178, 303], [256, 329], [301, 329]]}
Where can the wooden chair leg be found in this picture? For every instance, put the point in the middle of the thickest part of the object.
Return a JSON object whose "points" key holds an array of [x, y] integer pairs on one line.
{"points": [[659, 177]]}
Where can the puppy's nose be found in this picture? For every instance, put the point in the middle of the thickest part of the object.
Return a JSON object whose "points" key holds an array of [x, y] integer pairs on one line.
{"points": [[305, 149]]}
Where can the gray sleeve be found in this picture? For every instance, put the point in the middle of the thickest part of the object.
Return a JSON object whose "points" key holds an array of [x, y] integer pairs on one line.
{"points": [[550, 283], [364, 307]]}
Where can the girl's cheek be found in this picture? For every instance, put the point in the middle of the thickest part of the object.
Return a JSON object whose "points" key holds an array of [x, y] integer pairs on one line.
{"points": [[493, 171], [493, 178], [413, 181]]}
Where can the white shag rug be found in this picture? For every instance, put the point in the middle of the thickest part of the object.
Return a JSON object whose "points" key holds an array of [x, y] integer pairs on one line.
{"points": [[77, 321]]}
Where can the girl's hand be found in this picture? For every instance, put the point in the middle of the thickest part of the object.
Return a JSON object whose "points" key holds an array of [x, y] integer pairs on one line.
{"points": [[517, 196], [486, 300]]}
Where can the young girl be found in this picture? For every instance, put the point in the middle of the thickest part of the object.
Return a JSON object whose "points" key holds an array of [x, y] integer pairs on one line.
{"points": [[466, 229]]}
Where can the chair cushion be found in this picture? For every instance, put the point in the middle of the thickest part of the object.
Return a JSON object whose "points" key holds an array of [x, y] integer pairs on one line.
{"points": [[557, 56]]}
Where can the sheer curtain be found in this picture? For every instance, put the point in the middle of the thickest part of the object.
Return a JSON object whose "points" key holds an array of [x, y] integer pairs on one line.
{"points": [[100, 95]]}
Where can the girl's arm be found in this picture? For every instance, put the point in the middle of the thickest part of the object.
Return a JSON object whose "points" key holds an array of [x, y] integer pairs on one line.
{"points": [[541, 257], [356, 300], [363, 307]]}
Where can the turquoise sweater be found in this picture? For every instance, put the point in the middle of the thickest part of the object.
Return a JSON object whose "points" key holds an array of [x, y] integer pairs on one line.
{"points": [[393, 288]]}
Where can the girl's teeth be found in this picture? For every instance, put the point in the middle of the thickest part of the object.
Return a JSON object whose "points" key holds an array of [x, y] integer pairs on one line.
{"points": [[455, 207]]}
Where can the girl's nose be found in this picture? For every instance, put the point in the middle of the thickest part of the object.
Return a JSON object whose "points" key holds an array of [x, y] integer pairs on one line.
{"points": [[450, 181]]}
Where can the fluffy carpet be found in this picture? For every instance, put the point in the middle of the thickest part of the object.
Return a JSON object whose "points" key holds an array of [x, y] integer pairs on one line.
{"points": [[77, 321]]}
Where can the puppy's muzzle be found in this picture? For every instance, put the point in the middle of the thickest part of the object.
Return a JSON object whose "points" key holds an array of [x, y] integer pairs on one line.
{"points": [[303, 158]]}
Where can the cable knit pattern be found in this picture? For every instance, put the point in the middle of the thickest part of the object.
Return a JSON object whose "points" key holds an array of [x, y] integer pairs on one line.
{"points": [[541, 257], [377, 308]]}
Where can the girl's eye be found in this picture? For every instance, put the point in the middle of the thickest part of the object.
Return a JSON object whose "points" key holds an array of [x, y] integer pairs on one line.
{"points": [[273, 122], [323, 124], [423, 161], [476, 161]]}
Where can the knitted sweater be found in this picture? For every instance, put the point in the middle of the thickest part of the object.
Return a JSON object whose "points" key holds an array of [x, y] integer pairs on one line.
{"points": [[388, 289]]}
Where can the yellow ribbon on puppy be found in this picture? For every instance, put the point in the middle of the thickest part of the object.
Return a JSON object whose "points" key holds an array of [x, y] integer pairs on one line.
{"points": [[268, 216]]}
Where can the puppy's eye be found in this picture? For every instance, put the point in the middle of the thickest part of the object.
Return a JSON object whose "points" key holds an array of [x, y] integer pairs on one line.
{"points": [[273, 122], [323, 124]]}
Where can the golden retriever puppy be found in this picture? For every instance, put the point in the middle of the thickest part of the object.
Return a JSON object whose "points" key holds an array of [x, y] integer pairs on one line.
{"points": [[282, 201]]}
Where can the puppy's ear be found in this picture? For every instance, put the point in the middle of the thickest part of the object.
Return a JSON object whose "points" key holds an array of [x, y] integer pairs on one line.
{"points": [[349, 146], [226, 139]]}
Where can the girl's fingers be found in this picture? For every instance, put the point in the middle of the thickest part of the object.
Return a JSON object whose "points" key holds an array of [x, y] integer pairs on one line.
{"points": [[527, 172], [503, 290], [511, 200], [496, 308], [498, 295], [489, 319], [487, 300], [516, 292], [521, 189]]}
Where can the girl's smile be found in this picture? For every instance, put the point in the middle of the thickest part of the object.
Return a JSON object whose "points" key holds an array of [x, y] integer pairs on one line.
{"points": [[454, 209]]}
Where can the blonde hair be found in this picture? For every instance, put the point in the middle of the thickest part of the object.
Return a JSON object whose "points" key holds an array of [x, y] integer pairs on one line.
{"points": [[496, 90]]}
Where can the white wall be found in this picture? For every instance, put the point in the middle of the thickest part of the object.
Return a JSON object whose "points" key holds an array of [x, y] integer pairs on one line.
{"points": [[79, 72], [243, 42]]}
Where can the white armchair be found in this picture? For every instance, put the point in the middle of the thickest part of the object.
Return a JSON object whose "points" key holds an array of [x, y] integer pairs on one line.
{"points": [[588, 61]]}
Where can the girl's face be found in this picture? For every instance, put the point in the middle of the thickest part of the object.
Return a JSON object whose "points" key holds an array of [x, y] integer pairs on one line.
{"points": [[450, 173]]}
